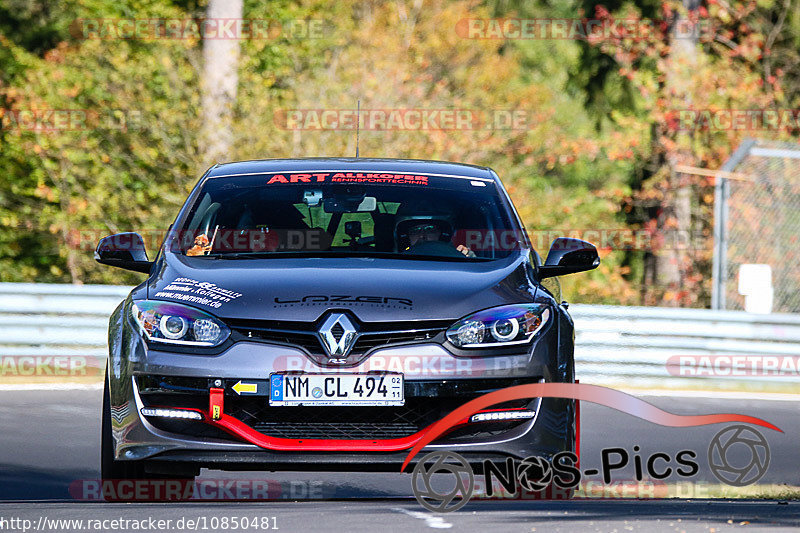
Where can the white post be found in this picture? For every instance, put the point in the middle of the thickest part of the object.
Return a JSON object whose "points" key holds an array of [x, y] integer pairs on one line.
{"points": [[755, 284]]}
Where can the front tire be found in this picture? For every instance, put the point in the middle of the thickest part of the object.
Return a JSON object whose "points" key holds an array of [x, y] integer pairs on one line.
{"points": [[110, 468], [113, 471]]}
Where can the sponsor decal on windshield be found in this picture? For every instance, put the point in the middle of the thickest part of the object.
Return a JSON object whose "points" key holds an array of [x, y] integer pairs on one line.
{"points": [[350, 177]]}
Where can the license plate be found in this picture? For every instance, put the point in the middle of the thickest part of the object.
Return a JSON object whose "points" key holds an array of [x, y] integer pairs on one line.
{"points": [[336, 389]]}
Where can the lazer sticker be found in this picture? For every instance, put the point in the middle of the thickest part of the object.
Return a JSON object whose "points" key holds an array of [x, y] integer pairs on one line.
{"points": [[349, 177], [198, 292], [345, 299]]}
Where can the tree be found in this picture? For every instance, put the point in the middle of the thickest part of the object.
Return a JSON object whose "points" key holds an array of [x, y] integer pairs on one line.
{"points": [[219, 82]]}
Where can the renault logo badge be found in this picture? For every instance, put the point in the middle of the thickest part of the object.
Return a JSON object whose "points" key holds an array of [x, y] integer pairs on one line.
{"points": [[337, 334]]}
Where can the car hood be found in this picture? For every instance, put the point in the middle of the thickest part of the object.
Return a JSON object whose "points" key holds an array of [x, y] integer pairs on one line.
{"points": [[372, 289]]}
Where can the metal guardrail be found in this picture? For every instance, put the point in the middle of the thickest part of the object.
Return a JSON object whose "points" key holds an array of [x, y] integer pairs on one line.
{"points": [[635, 345], [614, 345], [52, 319]]}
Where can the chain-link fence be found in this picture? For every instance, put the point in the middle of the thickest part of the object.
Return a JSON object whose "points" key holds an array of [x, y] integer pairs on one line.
{"points": [[757, 229]]}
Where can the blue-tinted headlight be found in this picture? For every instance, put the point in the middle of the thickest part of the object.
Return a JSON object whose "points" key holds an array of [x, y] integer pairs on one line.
{"points": [[178, 324], [499, 326]]}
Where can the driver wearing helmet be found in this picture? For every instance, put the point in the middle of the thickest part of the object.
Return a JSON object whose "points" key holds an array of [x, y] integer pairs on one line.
{"points": [[425, 225]]}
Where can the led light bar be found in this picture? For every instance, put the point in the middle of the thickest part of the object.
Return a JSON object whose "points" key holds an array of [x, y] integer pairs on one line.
{"points": [[171, 413], [502, 415]]}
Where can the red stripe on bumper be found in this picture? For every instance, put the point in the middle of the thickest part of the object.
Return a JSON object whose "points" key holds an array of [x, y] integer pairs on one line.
{"points": [[238, 428]]}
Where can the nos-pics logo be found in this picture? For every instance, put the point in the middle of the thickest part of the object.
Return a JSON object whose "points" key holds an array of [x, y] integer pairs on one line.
{"points": [[455, 484], [738, 456]]}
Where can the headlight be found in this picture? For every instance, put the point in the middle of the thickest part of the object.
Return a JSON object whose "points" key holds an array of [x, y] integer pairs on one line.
{"points": [[178, 324], [499, 326]]}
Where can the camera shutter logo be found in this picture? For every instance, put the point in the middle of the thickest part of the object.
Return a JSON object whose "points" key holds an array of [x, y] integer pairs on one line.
{"points": [[443, 462], [736, 441], [534, 474]]}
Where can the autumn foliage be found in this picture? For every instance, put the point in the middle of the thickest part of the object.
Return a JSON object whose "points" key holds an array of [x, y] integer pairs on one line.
{"points": [[595, 147]]}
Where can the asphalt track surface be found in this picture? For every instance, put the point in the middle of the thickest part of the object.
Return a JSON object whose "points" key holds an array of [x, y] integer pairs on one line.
{"points": [[50, 438]]}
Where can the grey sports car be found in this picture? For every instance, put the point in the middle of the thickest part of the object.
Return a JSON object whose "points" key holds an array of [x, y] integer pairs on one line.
{"points": [[321, 314]]}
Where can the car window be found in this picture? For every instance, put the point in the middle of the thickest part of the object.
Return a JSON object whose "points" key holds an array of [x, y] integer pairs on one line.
{"points": [[446, 218]]}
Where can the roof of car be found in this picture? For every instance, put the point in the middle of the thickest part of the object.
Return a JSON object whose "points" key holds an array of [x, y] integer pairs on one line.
{"points": [[309, 164]]}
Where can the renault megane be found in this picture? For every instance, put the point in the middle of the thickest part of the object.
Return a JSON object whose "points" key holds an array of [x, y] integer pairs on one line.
{"points": [[320, 314]]}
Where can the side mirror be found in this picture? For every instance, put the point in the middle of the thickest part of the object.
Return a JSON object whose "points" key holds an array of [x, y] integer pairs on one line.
{"points": [[123, 250], [567, 256]]}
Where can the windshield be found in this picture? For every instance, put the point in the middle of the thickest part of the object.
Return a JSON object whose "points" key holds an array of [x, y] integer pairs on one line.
{"points": [[354, 214]]}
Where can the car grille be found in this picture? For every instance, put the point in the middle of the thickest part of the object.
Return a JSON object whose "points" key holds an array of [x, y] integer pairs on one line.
{"points": [[370, 337], [355, 422], [345, 430], [342, 422]]}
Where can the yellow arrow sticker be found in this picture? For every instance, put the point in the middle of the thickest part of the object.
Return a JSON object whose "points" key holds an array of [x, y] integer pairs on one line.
{"points": [[245, 388]]}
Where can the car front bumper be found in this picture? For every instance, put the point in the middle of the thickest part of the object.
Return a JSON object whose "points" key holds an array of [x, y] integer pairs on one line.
{"points": [[145, 377]]}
